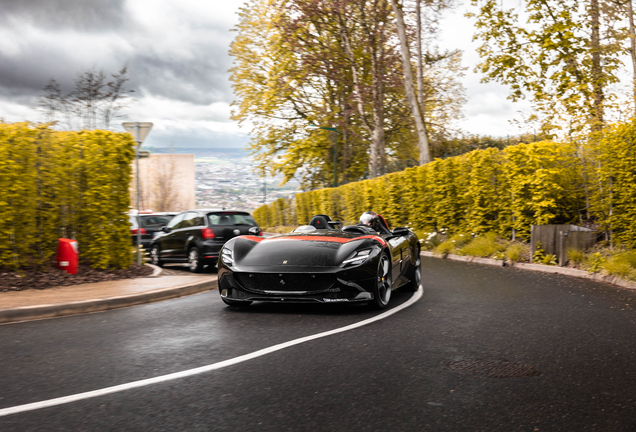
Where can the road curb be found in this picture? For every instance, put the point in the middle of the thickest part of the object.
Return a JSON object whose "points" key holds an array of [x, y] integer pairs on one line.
{"points": [[30, 313], [156, 271], [613, 280]]}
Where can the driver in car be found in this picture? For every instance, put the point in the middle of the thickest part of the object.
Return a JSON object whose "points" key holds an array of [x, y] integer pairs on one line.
{"points": [[372, 220]]}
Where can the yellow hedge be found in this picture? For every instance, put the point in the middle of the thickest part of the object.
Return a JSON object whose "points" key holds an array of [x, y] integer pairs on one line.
{"points": [[64, 184], [495, 190]]}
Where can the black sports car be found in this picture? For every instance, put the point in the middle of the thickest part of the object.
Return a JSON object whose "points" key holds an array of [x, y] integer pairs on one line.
{"points": [[320, 263]]}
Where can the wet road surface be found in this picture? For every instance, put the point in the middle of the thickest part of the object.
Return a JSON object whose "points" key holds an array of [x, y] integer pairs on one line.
{"points": [[392, 374]]}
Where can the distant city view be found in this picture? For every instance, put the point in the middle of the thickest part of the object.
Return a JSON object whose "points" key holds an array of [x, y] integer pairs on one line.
{"points": [[224, 179]]}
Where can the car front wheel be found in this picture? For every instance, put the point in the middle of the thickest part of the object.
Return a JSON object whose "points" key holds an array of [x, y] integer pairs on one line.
{"points": [[194, 260], [383, 284]]}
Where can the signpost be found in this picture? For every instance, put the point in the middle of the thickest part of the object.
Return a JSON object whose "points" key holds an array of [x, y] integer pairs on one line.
{"points": [[139, 131]]}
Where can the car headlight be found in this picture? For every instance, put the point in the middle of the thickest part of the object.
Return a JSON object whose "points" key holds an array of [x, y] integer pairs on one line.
{"points": [[357, 258], [228, 256]]}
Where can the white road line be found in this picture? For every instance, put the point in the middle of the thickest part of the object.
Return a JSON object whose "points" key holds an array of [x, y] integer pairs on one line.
{"points": [[142, 383]]}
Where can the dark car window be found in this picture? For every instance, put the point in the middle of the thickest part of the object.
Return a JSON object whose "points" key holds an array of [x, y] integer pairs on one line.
{"points": [[198, 220], [189, 220], [175, 221], [154, 221], [231, 219]]}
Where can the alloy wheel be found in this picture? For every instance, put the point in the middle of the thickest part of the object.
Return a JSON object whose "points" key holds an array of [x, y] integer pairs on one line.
{"points": [[384, 281], [193, 260]]}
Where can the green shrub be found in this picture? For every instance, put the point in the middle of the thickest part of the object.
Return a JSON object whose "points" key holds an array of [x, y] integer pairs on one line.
{"points": [[444, 248], [594, 262], [538, 255], [482, 246], [549, 259], [622, 265], [460, 240], [576, 257], [515, 252]]}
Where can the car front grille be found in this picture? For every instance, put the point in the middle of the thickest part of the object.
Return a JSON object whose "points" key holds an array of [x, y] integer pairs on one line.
{"points": [[291, 283]]}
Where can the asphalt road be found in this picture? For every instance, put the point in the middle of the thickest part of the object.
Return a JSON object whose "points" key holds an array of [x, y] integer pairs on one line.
{"points": [[391, 375]]}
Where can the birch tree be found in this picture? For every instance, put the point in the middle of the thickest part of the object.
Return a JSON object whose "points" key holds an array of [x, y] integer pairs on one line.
{"points": [[418, 117]]}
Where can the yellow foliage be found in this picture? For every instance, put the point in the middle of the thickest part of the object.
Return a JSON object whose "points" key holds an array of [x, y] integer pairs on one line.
{"points": [[64, 184]]}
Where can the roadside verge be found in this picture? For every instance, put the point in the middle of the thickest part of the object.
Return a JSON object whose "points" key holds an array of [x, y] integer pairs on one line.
{"points": [[42, 311], [539, 267]]}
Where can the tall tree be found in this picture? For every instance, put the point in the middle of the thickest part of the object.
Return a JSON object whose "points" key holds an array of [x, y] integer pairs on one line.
{"points": [[374, 56], [563, 59], [629, 9], [327, 63], [93, 103], [418, 115]]}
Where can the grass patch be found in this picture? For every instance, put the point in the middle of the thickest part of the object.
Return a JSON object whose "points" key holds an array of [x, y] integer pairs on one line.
{"points": [[483, 246], [623, 265], [516, 252], [576, 257], [594, 262], [453, 245]]}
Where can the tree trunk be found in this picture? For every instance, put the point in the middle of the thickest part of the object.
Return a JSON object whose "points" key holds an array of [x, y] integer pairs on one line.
{"points": [[377, 93], [422, 134], [375, 127], [632, 50], [420, 66], [597, 71]]}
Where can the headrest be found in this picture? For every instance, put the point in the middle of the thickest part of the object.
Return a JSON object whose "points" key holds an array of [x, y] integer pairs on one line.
{"points": [[319, 222]]}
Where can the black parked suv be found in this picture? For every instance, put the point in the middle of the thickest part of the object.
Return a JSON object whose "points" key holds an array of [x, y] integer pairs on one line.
{"points": [[197, 236], [151, 224]]}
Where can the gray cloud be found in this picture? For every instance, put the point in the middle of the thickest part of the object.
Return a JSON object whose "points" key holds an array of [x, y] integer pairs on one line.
{"points": [[87, 16], [171, 64], [200, 82]]}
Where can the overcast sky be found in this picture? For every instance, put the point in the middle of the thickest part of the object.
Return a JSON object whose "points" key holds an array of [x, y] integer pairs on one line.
{"points": [[177, 54]]}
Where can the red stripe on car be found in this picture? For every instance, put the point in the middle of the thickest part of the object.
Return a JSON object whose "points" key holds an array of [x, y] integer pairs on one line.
{"points": [[330, 239]]}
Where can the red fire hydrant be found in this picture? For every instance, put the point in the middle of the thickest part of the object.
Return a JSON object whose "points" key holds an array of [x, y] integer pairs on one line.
{"points": [[67, 255]]}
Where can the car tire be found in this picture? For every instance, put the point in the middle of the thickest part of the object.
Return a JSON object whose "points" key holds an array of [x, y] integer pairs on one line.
{"points": [[383, 284], [237, 304], [415, 276], [154, 256], [194, 260]]}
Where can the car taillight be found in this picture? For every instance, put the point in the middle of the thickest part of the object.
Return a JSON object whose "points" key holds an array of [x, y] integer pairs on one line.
{"points": [[208, 233], [142, 231]]}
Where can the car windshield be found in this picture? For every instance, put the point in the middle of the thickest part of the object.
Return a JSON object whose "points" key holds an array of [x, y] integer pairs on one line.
{"points": [[231, 219]]}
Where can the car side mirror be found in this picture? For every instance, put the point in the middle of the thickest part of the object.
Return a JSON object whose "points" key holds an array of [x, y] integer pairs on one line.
{"points": [[254, 231], [400, 231], [166, 229]]}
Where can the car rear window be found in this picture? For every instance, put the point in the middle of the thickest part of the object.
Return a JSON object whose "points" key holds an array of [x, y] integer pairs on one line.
{"points": [[231, 219]]}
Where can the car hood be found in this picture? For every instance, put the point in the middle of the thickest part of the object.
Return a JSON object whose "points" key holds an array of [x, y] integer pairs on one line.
{"points": [[299, 251]]}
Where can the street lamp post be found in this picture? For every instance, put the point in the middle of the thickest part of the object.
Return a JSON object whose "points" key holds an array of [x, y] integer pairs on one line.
{"points": [[141, 130], [335, 149]]}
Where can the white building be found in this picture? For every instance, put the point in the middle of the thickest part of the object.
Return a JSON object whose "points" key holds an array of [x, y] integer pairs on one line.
{"points": [[166, 183]]}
